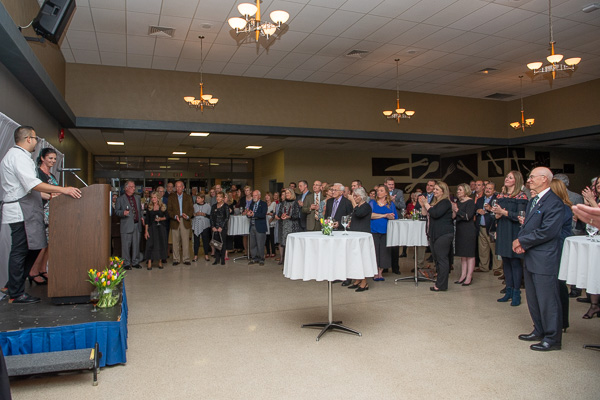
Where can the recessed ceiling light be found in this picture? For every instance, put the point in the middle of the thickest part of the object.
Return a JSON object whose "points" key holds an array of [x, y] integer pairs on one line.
{"points": [[253, 147], [203, 134], [173, 158], [180, 153], [212, 163], [165, 166], [115, 143]]}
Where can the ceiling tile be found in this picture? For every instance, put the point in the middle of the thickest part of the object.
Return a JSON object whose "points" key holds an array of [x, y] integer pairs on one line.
{"points": [[111, 42], [319, 77], [338, 64], [168, 47], [109, 21], [392, 8], [82, 40], [299, 75], [188, 65], [216, 10], [144, 6], [313, 43], [339, 47], [270, 58], [289, 40], [115, 59], [143, 45], [245, 55], [205, 26], [310, 18], [454, 12], [338, 79], [82, 20], [139, 61], [314, 63], [218, 52], [139, 23], [179, 8], [361, 6], [438, 38], [108, 4], [213, 67], [168, 63], [366, 26], [68, 55], [415, 34], [257, 71], [292, 60], [86, 56], [504, 21], [485, 43], [327, 3], [338, 22], [358, 67], [234, 69], [424, 9]]}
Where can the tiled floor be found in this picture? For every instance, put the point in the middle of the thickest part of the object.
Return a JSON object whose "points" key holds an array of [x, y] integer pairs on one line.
{"points": [[233, 332]]}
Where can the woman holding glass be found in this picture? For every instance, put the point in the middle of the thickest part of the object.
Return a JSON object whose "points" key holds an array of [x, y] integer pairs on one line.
{"points": [[441, 232], [383, 210], [270, 242], [155, 233], [511, 204], [201, 227], [465, 242], [360, 221], [289, 213], [219, 217]]}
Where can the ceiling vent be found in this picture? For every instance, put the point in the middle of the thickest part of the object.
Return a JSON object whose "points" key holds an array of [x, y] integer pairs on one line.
{"points": [[357, 53], [499, 96], [161, 31]]}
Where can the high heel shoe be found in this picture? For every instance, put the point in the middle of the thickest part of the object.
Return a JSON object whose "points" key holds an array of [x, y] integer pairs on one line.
{"points": [[353, 286], [459, 282], [587, 315], [362, 289], [216, 261], [467, 284], [32, 279]]}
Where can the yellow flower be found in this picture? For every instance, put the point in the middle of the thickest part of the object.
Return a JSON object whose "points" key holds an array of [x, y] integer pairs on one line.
{"points": [[103, 283]]}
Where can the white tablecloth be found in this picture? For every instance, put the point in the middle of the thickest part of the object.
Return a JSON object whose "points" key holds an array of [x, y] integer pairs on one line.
{"points": [[580, 264], [406, 232], [312, 255], [238, 225]]}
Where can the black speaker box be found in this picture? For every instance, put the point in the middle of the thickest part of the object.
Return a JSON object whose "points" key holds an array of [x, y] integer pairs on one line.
{"points": [[53, 19]]}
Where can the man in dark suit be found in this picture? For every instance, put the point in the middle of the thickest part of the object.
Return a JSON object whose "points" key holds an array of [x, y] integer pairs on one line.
{"points": [[303, 187], [128, 207], [310, 207], [485, 220], [338, 205], [538, 239], [257, 212], [180, 208]]}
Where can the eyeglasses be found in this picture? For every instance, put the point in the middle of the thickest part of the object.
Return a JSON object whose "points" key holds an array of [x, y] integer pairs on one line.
{"points": [[533, 176], [34, 137]]}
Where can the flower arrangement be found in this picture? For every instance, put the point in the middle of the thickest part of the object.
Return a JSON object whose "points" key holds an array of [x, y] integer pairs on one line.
{"points": [[327, 226], [107, 280], [415, 215]]}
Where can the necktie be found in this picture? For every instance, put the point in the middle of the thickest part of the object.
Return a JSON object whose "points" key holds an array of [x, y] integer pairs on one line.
{"points": [[334, 208], [533, 203]]}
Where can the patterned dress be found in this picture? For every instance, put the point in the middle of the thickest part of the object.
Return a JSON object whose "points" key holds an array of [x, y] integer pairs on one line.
{"points": [[50, 180]]}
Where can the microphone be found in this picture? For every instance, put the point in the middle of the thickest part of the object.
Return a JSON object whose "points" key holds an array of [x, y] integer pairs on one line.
{"points": [[69, 169]]}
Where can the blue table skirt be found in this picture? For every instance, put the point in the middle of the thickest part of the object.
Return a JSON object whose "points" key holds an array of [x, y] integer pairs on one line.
{"points": [[111, 337]]}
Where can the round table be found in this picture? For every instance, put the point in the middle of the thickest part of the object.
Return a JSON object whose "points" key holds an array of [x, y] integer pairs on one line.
{"points": [[408, 232], [579, 266], [238, 225], [314, 256]]}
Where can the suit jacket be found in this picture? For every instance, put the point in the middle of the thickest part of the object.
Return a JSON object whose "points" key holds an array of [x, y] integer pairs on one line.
{"points": [[344, 208], [312, 224], [540, 234], [127, 222], [489, 218], [399, 202], [173, 209], [302, 214], [418, 205], [260, 217]]}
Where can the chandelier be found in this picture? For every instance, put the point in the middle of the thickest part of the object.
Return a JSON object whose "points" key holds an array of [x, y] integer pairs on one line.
{"points": [[554, 60], [252, 22], [205, 100], [525, 123], [398, 113]]}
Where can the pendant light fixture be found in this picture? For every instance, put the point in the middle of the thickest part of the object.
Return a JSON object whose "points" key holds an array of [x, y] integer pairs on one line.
{"points": [[398, 113]]}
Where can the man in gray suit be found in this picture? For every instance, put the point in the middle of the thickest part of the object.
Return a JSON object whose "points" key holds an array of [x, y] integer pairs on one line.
{"points": [[538, 239], [129, 209], [310, 208]]}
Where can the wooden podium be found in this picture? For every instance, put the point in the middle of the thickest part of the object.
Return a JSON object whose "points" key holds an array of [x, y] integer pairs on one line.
{"points": [[79, 239]]}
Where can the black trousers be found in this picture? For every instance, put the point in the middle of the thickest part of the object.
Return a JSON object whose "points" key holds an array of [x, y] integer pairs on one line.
{"points": [[271, 241], [382, 252], [20, 261], [205, 236], [395, 254], [441, 249], [4, 383], [220, 254], [543, 300]]}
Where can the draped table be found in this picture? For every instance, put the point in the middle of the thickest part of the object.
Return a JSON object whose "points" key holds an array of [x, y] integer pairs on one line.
{"points": [[239, 225], [579, 266], [407, 232], [314, 256]]}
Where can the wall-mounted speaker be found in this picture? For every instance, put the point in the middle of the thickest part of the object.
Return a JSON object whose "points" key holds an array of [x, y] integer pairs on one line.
{"points": [[54, 18]]}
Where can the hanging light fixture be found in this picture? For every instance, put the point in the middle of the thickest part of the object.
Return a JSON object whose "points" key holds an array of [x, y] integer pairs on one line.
{"points": [[205, 100], [525, 123], [554, 60], [252, 22], [398, 113]]}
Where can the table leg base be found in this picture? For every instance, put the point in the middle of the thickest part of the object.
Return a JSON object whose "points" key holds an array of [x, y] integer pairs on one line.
{"points": [[241, 258], [592, 346], [330, 326]]}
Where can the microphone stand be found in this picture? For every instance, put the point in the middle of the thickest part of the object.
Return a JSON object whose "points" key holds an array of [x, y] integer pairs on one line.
{"points": [[74, 174]]}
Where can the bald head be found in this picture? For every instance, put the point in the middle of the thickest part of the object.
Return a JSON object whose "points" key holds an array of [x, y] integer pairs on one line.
{"points": [[539, 179]]}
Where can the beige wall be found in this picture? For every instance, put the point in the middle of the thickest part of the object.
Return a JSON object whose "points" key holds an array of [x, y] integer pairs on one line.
{"points": [[49, 54], [267, 167]]}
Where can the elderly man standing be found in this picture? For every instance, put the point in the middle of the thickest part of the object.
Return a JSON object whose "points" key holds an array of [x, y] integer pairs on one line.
{"points": [[257, 212], [180, 210], [303, 187], [310, 208], [485, 220], [338, 205], [22, 210], [129, 209], [538, 239]]}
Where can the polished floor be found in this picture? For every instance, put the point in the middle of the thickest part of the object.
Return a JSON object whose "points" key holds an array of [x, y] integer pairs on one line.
{"points": [[233, 332]]}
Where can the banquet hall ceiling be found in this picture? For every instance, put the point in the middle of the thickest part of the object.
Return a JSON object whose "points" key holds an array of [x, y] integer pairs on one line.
{"points": [[442, 44]]}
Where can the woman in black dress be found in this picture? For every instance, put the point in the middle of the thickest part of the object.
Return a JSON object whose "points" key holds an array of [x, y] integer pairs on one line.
{"points": [[465, 241], [360, 222], [441, 232], [156, 235], [219, 217], [289, 213]]}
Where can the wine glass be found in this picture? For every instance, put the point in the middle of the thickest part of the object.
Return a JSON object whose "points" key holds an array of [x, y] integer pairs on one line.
{"points": [[345, 222], [157, 219], [494, 203], [522, 216], [591, 230], [402, 212], [95, 298]]}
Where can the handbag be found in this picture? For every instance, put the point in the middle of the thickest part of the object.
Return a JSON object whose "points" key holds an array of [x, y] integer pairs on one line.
{"points": [[217, 244]]}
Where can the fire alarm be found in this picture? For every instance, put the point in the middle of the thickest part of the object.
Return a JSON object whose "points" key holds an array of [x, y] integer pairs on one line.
{"points": [[61, 135]]}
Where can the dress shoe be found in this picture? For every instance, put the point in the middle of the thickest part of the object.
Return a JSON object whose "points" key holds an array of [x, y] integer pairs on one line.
{"points": [[127, 267], [353, 286], [379, 279], [459, 282], [396, 272], [467, 284], [337, 281], [501, 277], [478, 270], [497, 273], [187, 263], [362, 289], [261, 263], [544, 346], [403, 255], [575, 292], [347, 282], [175, 263], [251, 262], [216, 261], [24, 299], [530, 337], [137, 266], [583, 300]]}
